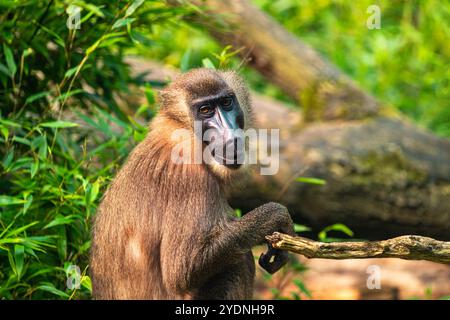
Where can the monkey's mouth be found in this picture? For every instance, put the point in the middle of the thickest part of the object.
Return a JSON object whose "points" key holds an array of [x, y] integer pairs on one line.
{"points": [[227, 152], [233, 161]]}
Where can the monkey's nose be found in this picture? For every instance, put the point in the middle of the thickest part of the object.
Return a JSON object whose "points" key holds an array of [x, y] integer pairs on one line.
{"points": [[234, 149], [232, 144]]}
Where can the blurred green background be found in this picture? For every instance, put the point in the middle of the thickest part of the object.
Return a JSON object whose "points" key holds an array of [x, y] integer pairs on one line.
{"points": [[64, 130]]}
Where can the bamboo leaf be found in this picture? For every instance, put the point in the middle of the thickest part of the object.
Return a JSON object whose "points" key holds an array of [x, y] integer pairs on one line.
{"points": [[18, 258], [122, 22], [132, 8], [311, 180], [59, 124], [9, 60]]}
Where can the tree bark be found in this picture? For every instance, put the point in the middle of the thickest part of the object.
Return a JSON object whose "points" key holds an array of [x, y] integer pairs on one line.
{"points": [[405, 247]]}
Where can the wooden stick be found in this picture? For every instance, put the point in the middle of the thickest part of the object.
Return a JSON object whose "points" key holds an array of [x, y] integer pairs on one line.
{"points": [[408, 247]]}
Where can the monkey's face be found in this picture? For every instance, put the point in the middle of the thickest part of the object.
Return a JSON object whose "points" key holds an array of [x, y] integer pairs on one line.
{"points": [[222, 122], [217, 117], [215, 105]]}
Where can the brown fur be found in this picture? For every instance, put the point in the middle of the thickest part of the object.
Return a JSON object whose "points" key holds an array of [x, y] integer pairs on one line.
{"points": [[164, 230]]}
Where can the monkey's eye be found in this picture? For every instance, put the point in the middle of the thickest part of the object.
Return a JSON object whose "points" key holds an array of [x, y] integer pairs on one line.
{"points": [[205, 109], [227, 103]]}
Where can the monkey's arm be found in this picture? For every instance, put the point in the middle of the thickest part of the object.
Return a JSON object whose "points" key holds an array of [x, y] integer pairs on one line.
{"points": [[253, 227], [225, 245], [273, 259]]}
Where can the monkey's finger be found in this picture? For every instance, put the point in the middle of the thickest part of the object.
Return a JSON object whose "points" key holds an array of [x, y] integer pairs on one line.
{"points": [[268, 265], [280, 258], [264, 261]]}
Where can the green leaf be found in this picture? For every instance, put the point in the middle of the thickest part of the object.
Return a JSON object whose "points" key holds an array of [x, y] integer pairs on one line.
{"points": [[5, 132], [8, 158], [94, 191], [149, 94], [139, 38], [61, 220], [207, 63], [9, 60], [70, 72], [16, 231], [296, 296], [27, 204], [8, 200], [59, 124], [37, 142], [34, 167], [36, 96], [335, 227], [301, 228], [139, 136], [122, 22], [43, 148], [66, 95], [311, 180], [302, 287], [93, 9], [56, 37], [12, 263], [91, 192], [10, 123], [86, 282], [112, 41], [61, 242], [49, 287], [132, 8], [185, 60], [18, 258], [22, 140], [5, 70], [143, 108]]}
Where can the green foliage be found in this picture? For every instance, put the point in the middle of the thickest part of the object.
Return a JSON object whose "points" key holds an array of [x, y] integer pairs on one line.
{"points": [[428, 295], [311, 180], [65, 129], [339, 227], [405, 64], [279, 283], [54, 171], [51, 183], [301, 228]]}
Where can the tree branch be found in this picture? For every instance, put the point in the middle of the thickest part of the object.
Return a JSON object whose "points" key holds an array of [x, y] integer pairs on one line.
{"points": [[408, 247]]}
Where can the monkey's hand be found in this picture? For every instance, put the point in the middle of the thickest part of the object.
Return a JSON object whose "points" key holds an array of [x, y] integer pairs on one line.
{"points": [[273, 259]]}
